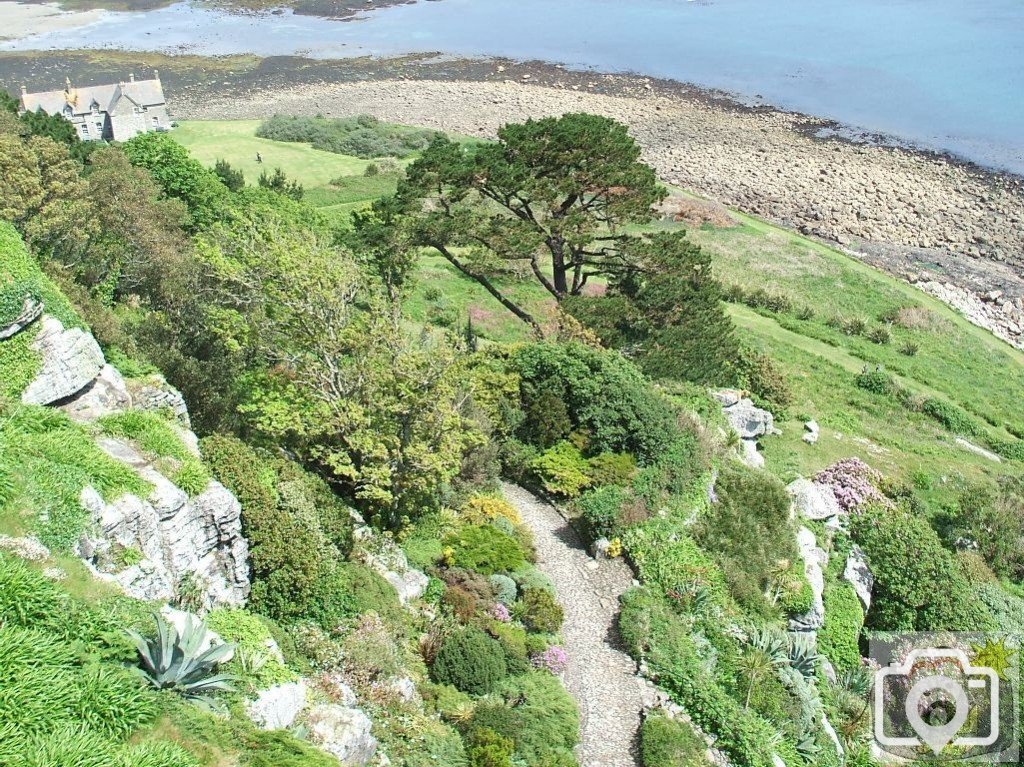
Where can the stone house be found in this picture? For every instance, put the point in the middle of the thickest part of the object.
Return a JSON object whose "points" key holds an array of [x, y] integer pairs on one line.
{"points": [[106, 112]]}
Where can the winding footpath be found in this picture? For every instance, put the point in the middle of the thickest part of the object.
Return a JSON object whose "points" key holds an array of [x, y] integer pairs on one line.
{"points": [[600, 676]]}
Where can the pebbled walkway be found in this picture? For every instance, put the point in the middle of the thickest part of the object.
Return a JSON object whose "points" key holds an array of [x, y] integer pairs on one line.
{"points": [[600, 676]]}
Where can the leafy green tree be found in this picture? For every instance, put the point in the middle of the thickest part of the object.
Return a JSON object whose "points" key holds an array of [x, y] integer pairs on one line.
{"points": [[140, 246], [180, 176], [551, 196], [44, 196]]}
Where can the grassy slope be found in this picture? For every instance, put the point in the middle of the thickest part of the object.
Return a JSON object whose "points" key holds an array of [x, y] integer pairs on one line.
{"points": [[957, 361]]}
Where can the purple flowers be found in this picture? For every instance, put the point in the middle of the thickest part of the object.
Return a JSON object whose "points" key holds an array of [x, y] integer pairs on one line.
{"points": [[854, 483], [552, 659], [500, 613]]}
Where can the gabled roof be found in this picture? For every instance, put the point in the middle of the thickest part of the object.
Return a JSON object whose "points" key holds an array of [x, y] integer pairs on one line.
{"points": [[143, 93]]}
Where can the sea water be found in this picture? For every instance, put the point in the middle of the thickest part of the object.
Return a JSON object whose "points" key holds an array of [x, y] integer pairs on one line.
{"points": [[942, 74]]}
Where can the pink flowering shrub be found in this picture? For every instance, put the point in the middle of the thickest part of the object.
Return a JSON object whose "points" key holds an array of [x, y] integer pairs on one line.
{"points": [[501, 613], [553, 659], [854, 483]]}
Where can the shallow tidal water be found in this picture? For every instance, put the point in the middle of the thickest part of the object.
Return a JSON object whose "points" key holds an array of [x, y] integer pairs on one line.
{"points": [[943, 74]]}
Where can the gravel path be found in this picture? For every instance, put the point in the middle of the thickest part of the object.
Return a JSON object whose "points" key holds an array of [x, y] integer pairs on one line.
{"points": [[600, 676]]}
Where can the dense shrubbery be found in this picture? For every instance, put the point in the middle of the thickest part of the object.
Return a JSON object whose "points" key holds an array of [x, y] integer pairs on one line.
{"points": [[297, 531], [668, 743], [363, 136], [540, 611], [603, 396], [992, 519], [486, 549], [470, 661], [537, 714], [919, 585], [838, 638], [952, 416], [748, 532]]}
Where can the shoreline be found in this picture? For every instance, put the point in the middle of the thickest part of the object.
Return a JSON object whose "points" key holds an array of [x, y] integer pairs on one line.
{"points": [[920, 215]]}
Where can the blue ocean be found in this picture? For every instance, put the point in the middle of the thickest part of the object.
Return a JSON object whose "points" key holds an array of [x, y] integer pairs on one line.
{"points": [[942, 74]]}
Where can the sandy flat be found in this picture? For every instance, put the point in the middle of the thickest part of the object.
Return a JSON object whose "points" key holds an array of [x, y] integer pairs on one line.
{"points": [[20, 20]]}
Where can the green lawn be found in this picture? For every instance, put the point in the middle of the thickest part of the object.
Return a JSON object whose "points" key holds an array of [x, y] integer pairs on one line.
{"points": [[955, 361]]}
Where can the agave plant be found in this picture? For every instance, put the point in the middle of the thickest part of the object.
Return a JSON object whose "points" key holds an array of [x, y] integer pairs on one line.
{"points": [[803, 656], [173, 661]]}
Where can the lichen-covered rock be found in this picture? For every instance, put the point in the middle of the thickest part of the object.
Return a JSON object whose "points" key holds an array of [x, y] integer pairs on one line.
{"points": [[745, 418], [278, 707], [390, 562], [71, 359], [31, 310], [750, 454], [28, 547], [860, 576], [106, 394], [811, 432], [343, 732], [154, 393], [815, 561], [174, 536], [812, 500]]}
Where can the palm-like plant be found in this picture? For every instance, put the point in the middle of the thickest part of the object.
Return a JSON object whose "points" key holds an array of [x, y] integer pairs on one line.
{"points": [[765, 651], [173, 661]]}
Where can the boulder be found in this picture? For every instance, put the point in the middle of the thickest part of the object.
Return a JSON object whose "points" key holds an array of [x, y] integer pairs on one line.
{"points": [[106, 394], [278, 707], [748, 420], [749, 454], [31, 310], [343, 732], [71, 359], [389, 560], [812, 500], [599, 548], [860, 577], [815, 562], [28, 547], [811, 432]]}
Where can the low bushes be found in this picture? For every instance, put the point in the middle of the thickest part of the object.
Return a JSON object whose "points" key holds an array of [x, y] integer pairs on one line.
{"points": [[919, 585], [485, 549], [666, 742], [539, 611], [562, 470], [953, 417], [470, 661], [599, 509], [537, 715], [654, 633], [838, 638], [363, 136]]}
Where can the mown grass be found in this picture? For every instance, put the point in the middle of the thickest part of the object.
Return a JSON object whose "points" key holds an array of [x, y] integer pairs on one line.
{"points": [[955, 361]]}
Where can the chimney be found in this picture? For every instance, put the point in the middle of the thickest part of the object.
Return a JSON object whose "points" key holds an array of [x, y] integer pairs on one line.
{"points": [[24, 91], [156, 74], [131, 77]]}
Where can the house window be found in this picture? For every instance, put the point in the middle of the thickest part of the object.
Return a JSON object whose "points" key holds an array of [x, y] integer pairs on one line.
{"points": [[85, 129], [156, 120], [99, 127]]}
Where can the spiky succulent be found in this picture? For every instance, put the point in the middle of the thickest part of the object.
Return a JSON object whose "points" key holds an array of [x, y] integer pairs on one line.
{"points": [[803, 656], [175, 661]]}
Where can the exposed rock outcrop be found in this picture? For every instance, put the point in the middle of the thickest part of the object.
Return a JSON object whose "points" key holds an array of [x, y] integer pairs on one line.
{"points": [[171, 536], [106, 394], [342, 732], [71, 360], [31, 310], [748, 421], [389, 561], [860, 576], [812, 500], [278, 707], [815, 561]]}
